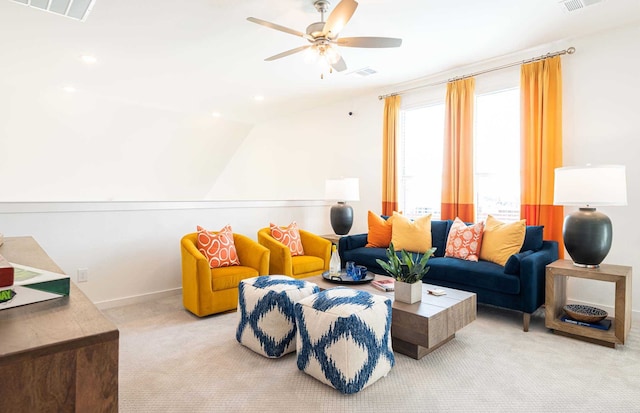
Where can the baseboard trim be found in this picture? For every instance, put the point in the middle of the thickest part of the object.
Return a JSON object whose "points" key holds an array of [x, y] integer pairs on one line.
{"points": [[136, 299]]}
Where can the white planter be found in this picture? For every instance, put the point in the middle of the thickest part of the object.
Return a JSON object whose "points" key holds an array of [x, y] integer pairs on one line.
{"points": [[408, 293]]}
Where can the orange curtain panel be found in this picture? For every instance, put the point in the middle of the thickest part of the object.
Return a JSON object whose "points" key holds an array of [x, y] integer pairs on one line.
{"points": [[390, 131], [457, 165], [541, 144]]}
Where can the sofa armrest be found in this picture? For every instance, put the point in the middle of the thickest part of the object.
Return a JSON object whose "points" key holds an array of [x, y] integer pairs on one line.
{"points": [[280, 255], [532, 275], [351, 242], [251, 254], [316, 246], [196, 273]]}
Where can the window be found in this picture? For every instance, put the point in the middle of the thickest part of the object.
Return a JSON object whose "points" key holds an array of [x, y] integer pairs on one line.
{"points": [[496, 157], [420, 161]]}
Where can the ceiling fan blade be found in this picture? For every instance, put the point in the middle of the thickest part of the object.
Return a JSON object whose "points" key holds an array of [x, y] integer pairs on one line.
{"points": [[339, 17], [340, 65], [287, 53], [373, 42], [278, 27]]}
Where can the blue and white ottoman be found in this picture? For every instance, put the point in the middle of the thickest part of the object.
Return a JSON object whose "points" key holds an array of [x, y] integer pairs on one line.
{"points": [[267, 324], [344, 338]]}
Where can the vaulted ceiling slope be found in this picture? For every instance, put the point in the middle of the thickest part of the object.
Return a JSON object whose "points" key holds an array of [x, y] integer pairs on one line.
{"points": [[200, 56]]}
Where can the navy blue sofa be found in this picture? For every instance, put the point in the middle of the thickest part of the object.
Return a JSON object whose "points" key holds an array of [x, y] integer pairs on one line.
{"points": [[519, 285]]}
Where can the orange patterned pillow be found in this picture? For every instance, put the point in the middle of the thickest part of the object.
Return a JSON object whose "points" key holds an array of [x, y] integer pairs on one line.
{"points": [[219, 248], [379, 235], [289, 236], [464, 241]]}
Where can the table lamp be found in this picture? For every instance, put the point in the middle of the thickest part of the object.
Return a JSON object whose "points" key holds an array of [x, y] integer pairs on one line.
{"points": [[588, 233], [342, 190]]}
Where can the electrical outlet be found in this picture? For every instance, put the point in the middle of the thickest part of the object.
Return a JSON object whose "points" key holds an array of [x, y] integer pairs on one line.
{"points": [[83, 275]]}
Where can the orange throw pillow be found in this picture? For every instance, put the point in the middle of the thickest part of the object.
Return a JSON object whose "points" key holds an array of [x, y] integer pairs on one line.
{"points": [[219, 248], [289, 236], [379, 235], [464, 241]]}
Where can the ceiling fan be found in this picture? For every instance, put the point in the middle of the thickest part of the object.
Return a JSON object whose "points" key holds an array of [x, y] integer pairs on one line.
{"points": [[323, 36]]}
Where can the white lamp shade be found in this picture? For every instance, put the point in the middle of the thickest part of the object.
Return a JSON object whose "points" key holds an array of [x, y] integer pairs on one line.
{"points": [[590, 185], [345, 189]]}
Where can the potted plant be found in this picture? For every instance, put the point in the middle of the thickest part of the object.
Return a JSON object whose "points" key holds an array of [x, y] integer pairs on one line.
{"points": [[408, 273]]}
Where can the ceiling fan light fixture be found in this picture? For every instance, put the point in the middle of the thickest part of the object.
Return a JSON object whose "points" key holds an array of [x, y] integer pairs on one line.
{"points": [[323, 36], [330, 54], [311, 55]]}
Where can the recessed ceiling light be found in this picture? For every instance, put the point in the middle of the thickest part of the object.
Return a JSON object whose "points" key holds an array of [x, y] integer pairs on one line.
{"points": [[258, 98], [69, 89], [88, 59], [216, 114]]}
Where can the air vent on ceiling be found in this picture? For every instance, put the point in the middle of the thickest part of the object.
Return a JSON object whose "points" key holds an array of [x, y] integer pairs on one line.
{"points": [[75, 9], [573, 5], [364, 72]]}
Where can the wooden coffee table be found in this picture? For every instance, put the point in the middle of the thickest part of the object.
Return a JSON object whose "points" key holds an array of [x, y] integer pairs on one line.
{"points": [[418, 329]]}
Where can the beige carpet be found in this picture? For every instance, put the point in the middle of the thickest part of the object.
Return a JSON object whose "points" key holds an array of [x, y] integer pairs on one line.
{"points": [[172, 361]]}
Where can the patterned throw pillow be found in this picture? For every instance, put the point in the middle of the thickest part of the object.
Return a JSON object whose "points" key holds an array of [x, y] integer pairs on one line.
{"points": [[219, 248], [289, 236], [464, 241]]}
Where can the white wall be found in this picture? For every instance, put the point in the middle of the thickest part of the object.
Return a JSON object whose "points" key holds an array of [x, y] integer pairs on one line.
{"points": [[601, 86], [291, 157], [133, 249], [81, 147], [133, 252]]}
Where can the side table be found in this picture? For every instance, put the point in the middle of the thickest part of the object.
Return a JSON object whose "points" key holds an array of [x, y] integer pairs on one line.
{"points": [[556, 280], [332, 237]]}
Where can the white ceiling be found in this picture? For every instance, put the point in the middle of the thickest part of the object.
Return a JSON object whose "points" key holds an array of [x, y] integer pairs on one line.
{"points": [[200, 56]]}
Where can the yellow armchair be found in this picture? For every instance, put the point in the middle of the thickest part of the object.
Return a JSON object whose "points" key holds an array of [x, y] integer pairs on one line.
{"points": [[317, 253], [208, 290]]}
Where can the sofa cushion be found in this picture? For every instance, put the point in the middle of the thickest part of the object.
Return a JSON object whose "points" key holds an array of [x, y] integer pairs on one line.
{"points": [[218, 248], [513, 263], [482, 274], [366, 256], [413, 236], [224, 278], [379, 234], [302, 264], [501, 240], [289, 236], [439, 234], [464, 240], [532, 238]]}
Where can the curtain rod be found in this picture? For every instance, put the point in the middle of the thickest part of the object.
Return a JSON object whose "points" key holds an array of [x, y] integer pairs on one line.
{"points": [[570, 50]]}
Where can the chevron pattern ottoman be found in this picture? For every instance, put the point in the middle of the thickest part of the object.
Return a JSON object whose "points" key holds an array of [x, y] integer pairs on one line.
{"points": [[344, 338], [267, 324]]}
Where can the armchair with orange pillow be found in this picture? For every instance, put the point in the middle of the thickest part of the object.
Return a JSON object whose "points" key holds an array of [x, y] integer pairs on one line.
{"points": [[213, 264], [295, 252]]}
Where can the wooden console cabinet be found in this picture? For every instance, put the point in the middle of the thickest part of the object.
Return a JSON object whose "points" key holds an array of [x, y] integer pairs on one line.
{"points": [[59, 355], [556, 280]]}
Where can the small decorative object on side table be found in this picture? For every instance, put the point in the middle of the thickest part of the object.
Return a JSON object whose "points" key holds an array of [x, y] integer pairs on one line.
{"points": [[556, 280]]}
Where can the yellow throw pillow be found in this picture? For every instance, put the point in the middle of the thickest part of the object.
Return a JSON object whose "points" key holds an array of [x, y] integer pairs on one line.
{"points": [[501, 240], [379, 235], [413, 236]]}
